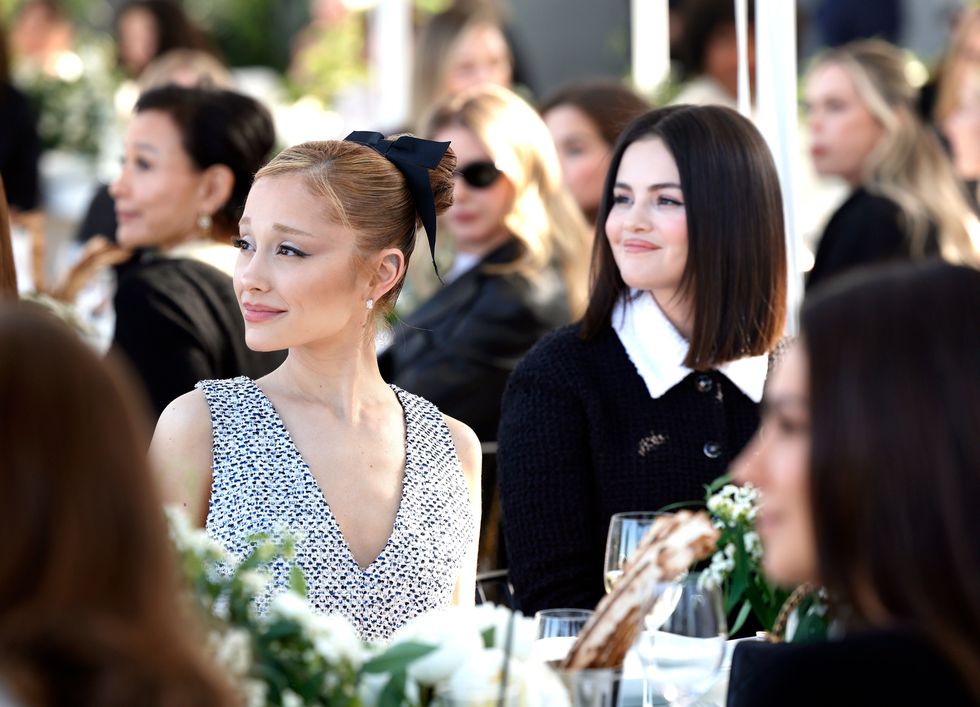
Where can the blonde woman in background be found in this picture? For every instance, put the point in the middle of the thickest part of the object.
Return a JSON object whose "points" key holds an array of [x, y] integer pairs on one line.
{"points": [[457, 49], [906, 202], [959, 63], [521, 260]]}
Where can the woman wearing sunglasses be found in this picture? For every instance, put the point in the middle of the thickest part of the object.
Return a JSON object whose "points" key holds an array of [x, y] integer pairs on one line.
{"points": [[520, 267], [656, 390]]}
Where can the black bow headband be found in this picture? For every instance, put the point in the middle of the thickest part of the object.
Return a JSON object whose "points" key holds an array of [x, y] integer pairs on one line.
{"points": [[414, 157]]}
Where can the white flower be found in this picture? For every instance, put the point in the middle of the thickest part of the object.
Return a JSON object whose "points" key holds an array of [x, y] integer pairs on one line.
{"points": [[232, 650], [255, 581], [543, 687], [190, 539], [291, 699], [455, 639], [335, 639], [255, 693], [753, 545], [370, 686], [498, 618], [292, 607], [477, 680]]}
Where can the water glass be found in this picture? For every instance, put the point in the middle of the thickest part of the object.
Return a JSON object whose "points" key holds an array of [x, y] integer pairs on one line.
{"points": [[556, 630], [682, 657]]}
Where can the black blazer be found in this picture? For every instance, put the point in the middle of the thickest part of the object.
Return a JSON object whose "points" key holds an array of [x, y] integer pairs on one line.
{"points": [[882, 667], [459, 347], [866, 229], [178, 322]]}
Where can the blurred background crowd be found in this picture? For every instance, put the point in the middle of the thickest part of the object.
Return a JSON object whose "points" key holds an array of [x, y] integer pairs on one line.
{"points": [[73, 69], [130, 132]]}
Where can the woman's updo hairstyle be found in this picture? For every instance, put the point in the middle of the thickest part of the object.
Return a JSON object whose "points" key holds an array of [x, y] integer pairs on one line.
{"points": [[362, 190]]}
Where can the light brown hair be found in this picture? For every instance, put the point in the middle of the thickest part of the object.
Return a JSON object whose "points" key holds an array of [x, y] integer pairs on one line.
{"points": [[90, 609], [908, 165], [8, 273], [433, 49], [362, 190]]}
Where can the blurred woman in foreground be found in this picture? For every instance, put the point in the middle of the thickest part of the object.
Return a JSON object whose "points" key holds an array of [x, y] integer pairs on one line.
{"points": [[868, 462], [89, 591]]}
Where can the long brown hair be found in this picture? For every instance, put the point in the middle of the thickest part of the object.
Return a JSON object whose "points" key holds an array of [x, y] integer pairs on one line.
{"points": [[895, 460], [8, 273], [735, 273], [89, 591]]}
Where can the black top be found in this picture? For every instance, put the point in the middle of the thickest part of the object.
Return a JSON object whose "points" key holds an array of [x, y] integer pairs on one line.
{"points": [[178, 322], [20, 149], [893, 667], [581, 439], [866, 229], [459, 347]]}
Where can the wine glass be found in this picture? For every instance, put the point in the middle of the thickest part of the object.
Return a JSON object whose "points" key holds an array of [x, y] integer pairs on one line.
{"points": [[682, 658], [556, 630], [625, 532]]}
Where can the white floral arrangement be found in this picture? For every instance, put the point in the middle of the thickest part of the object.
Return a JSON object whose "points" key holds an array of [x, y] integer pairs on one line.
{"points": [[736, 566], [73, 98], [289, 655]]}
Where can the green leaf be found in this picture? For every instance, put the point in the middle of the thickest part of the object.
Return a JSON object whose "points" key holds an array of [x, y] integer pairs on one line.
{"points": [[397, 657], [743, 614], [281, 629], [393, 694], [717, 484], [297, 582], [488, 635]]}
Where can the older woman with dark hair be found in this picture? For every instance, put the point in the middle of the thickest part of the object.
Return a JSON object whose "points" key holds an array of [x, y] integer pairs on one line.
{"points": [[656, 389], [868, 464], [90, 609], [189, 159]]}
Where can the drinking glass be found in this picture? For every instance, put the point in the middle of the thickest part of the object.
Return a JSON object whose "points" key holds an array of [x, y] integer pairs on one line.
{"points": [[682, 657], [625, 532], [556, 631]]}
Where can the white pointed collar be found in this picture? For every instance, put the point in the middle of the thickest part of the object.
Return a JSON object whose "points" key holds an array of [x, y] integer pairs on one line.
{"points": [[657, 349]]}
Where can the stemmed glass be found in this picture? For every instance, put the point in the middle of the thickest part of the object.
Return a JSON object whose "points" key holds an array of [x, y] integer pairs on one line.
{"points": [[625, 532], [683, 656], [556, 631]]}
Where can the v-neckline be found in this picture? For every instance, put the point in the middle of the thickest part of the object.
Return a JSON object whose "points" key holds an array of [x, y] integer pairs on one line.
{"points": [[396, 526]]}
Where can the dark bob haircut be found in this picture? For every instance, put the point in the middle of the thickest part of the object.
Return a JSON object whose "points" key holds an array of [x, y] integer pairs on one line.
{"points": [[735, 274], [218, 127], [894, 359]]}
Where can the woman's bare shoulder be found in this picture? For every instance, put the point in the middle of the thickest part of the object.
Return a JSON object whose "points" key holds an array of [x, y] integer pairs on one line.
{"points": [[467, 449], [181, 453]]}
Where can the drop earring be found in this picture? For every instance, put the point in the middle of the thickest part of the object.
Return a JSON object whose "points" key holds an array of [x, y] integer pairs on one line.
{"points": [[204, 223], [369, 304]]}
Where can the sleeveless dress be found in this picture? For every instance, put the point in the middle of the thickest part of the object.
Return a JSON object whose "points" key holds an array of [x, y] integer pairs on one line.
{"points": [[261, 484]]}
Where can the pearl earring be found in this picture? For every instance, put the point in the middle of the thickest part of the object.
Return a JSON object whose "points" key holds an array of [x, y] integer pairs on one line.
{"points": [[370, 304], [204, 224]]}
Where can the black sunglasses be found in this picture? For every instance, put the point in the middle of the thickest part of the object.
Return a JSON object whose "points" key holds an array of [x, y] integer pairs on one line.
{"points": [[479, 175]]}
